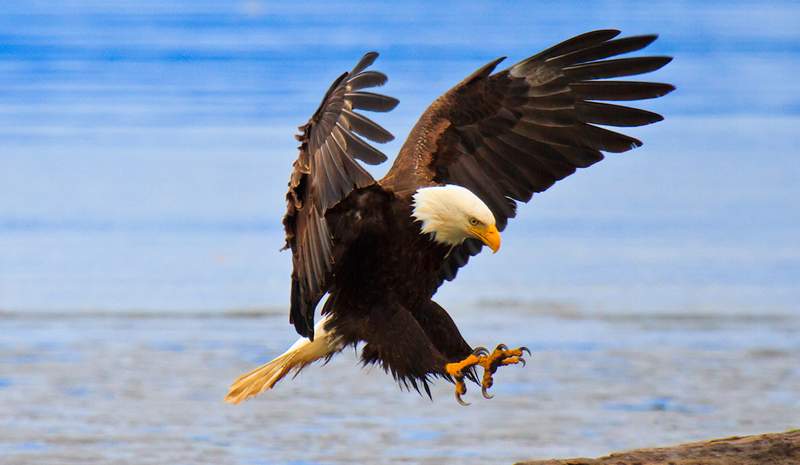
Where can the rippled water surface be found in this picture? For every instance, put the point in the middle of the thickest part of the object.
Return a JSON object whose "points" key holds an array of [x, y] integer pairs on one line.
{"points": [[144, 390], [144, 149]]}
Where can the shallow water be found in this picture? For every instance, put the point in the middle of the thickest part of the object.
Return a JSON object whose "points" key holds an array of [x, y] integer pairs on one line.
{"points": [[144, 149], [144, 390]]}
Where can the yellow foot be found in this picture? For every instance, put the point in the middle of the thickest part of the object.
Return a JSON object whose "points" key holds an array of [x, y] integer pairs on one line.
{"points": [[502, 355]]}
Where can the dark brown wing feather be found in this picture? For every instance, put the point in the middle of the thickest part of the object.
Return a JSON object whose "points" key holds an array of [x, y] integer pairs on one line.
{"points": [[508, 135], [325, 172]]}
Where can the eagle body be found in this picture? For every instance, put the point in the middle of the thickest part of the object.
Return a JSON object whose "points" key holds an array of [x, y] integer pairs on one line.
{"points": [[403, 269], [379, 249], [381, 291]]}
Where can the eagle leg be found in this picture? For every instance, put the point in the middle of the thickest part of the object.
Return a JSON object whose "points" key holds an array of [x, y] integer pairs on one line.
{"points": [[501, 356]]}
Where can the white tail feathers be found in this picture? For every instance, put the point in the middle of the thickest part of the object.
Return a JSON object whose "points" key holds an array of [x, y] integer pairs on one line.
{"points": [[298, 356]]}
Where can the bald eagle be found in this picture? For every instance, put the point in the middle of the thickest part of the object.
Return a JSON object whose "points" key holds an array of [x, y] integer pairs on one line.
{"points": [[379, 249]]}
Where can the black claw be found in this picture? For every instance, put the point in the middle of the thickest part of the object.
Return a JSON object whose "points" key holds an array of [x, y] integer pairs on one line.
{"points": [[458, 398], [471, 375], [480, 350], [485, 392], [501, 347], [522, 361], [525, 349]]}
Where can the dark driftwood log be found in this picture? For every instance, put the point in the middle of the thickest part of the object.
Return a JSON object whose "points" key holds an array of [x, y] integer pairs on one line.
{"points": [[763, 449]]}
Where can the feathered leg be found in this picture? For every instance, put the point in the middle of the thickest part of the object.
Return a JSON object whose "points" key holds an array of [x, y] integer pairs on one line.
{"points": [[444, 334], [396, 341], [442, 331]]}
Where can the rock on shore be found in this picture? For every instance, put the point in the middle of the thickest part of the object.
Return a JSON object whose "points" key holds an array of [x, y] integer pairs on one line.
{"points": [[762, 449]]}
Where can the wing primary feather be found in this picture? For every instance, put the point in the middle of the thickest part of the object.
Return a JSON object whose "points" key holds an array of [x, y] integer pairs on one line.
{"points": [[610, 141], [366, 80], [614, 115], [620, 90], [365, 62], [359, 176], [550, 135], [360, 149], [371, 102], [366, 127], [603, 50], [582, 157], [615, 68], [576, 43]]}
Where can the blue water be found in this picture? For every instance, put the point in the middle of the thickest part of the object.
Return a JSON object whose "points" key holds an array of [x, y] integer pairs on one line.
{"points": [[144, 149]]}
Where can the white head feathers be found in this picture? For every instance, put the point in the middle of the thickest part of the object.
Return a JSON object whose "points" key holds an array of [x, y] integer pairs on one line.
{"points": [[448, 213]]}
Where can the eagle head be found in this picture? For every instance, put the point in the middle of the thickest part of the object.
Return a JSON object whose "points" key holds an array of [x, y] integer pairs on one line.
{"points": [[452, 214]]}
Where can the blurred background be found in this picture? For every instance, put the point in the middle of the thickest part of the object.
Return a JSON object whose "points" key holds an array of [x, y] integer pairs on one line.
{"points": [[144, 152]]}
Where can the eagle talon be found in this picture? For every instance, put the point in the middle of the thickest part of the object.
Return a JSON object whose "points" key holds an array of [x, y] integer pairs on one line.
{"points": [[461, 389], [490, 362], [501, 356], [456, 372], [480, 351]]}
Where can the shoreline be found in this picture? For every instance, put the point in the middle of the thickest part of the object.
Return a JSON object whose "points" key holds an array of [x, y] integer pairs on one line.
{"points": [[761, 449]]}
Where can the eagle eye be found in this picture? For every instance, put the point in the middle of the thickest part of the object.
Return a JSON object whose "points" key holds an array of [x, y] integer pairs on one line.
{"points": [[474, 221]]}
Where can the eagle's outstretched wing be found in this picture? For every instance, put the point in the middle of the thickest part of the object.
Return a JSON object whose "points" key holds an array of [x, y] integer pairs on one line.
{"points": [[325, 172], [507, 135]]}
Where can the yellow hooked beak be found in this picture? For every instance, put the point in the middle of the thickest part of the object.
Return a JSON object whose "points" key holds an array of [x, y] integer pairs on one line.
{"points": [[489, 235]]}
